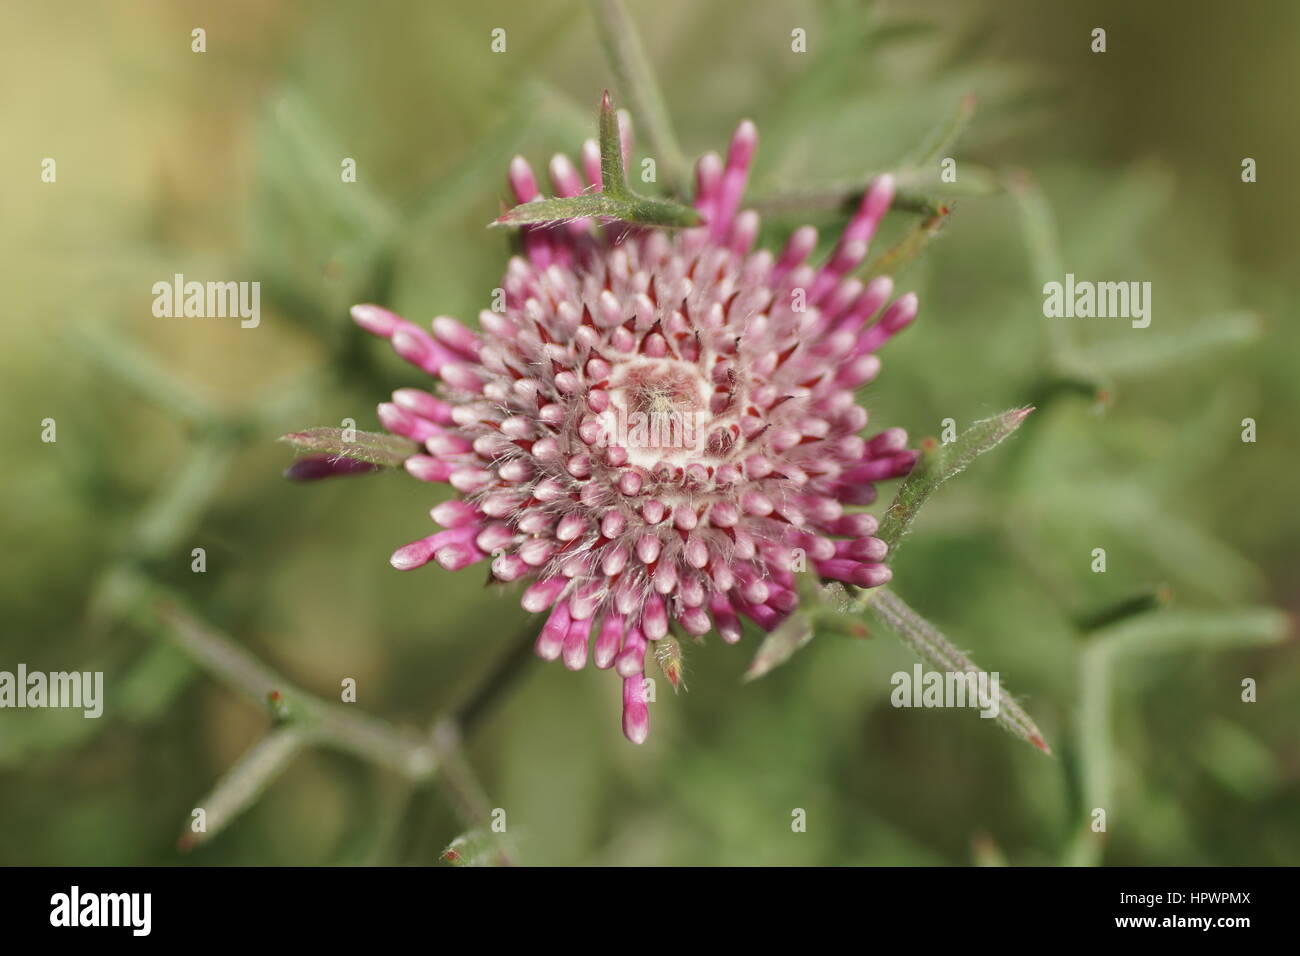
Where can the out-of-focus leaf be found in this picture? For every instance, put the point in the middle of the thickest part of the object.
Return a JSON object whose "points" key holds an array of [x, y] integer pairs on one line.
{"points": [[1239, 760], [140, 371], [1141, 194], [1190, 556], [1156, 346], [1185, 629], [313, 155], [154, 682]]}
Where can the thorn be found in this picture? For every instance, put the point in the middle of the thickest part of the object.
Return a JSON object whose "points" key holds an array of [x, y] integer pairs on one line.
{"points": [[1041, 744]]}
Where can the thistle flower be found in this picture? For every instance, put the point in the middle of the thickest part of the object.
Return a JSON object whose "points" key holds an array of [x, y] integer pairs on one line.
{"points": [[658, 426]]}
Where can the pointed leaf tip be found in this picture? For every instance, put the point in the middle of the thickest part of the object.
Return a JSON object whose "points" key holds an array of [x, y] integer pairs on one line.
{"points": [[938, 463], [780, 644]]}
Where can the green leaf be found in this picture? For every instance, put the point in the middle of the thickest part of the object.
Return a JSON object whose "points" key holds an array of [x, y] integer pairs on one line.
{"points": [[938, 463], [612, 176], [924, 638], [563, 210], [779, 645], [307, 150], [178, 506], [1167, 346], [1189, 629], [614, 201], [134, 366], [823, 608], [377, 448], [1239, 761]]}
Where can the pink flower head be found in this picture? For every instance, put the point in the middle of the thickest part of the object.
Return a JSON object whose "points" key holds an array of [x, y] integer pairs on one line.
{"points": [[656, 426]]}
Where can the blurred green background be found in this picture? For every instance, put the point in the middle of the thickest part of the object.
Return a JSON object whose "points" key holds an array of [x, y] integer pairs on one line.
{"points": [[225, 165]]}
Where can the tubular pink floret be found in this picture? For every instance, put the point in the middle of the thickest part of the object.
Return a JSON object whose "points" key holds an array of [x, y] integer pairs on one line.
{"points": [[859, 573], [419, 553], [550, 640], [427, 468], [419, 348], [457, 337], [739, 157], [399, 421], [631, 659], [574, 651], [376, 320], [636, 715], [708, 183], [542, 594], [421, 403], [522, 180], [610, 641]]}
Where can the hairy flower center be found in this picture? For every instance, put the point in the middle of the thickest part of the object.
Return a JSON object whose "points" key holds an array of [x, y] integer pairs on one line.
{"points": [[659, 411]]}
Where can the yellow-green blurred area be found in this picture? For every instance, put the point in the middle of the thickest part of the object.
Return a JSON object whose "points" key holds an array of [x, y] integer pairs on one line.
{"points": [[225, 165]]}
